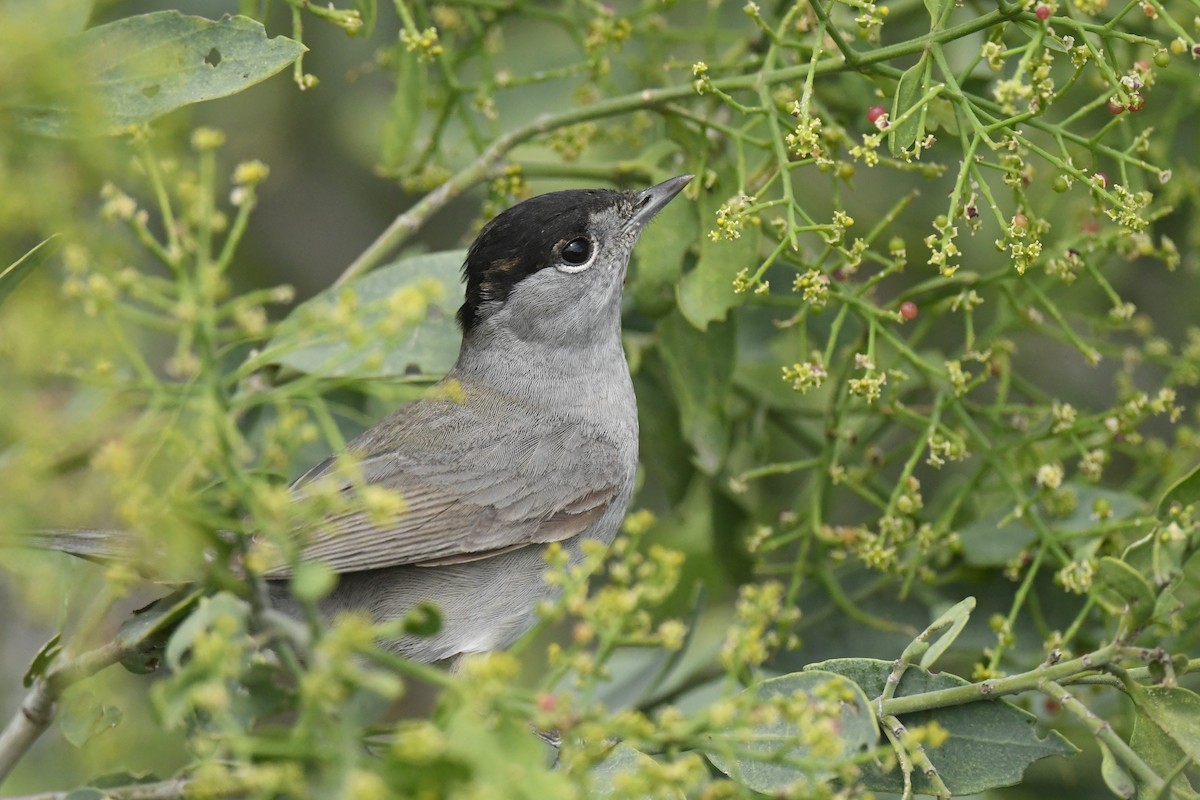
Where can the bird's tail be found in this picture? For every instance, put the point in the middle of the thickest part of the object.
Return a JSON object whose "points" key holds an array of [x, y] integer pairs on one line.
{"points": [[101, 546]]}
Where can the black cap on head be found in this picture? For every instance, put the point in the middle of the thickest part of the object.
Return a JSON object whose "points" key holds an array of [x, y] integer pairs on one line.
{"points": [[520, 241]]}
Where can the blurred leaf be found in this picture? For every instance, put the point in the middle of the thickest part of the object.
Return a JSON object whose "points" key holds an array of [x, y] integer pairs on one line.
{"points": [[41, 662], [853, 721], [400, 128], [148, 629], [659, 257], [24, 266], [1121, 589], [368, 10], [705, 294], [700, 370], [83, 717], [86, 793], [622, 759], [402, 323], [914, 83], [1184, 491], [209, 611], [986, 543], [142, 67], [990, 744]]}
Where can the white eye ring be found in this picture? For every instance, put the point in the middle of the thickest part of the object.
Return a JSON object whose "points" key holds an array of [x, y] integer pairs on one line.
{"points": [[569, 268]]}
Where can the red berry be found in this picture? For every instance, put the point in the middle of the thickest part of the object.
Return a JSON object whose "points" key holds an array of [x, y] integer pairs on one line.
{"points": [[1115, 107], [874, 113], [546, 702], [1100, 179], [1042, 12], [1136, 103], [908, 310]]}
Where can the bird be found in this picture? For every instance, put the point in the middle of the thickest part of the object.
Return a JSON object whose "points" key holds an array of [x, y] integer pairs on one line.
{"points": [[530, 439]]}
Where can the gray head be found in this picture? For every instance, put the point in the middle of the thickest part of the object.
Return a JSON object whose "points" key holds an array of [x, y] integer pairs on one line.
{"points": [[552, 267]]}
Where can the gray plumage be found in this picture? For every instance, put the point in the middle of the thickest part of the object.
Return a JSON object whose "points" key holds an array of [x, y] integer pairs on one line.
{"points": [[530, 439]]}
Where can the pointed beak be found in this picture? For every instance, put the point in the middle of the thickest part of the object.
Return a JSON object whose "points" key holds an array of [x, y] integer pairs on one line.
{"points": [[649, 202]]}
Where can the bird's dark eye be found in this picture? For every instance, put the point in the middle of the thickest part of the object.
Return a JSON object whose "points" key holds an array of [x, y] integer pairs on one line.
{"points": [[577, 251]]}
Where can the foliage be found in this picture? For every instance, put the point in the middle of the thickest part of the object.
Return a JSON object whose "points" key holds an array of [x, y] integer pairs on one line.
{"points": [[919, 339]]}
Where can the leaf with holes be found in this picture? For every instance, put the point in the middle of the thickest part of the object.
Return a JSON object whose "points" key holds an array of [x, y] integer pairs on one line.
{"points": [[139, 68], [990, 742]]}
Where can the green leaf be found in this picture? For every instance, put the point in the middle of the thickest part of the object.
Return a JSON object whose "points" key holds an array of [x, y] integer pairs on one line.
{"points": [[956, 618], [851, 718], [1121, 589], [400, 128], [659, 256], [24, 266], [83, 717], [148, 629], [41, 662], [209, 612], [142, 67], [705, 293], [368, 10], [1166, 729], [622, 760], [1115, 776], [912, 87], [397, 321], [700, 369], [1184, 491], [990, 744], [86, 793]]}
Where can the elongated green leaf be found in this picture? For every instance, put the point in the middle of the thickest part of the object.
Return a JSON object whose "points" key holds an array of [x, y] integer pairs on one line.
{"points": [[912, 87], [776, 744], [397, 321], [955, 619], [1115, 776], [42, 661], [24, 266], [990, 743], [142, 67]]}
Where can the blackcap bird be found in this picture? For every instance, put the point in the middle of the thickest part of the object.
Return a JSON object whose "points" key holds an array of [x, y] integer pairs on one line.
{"points": [[531, 438]]}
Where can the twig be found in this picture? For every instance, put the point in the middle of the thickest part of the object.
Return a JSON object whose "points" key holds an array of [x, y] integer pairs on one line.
{"points": [[37, 710], [163, 790]]}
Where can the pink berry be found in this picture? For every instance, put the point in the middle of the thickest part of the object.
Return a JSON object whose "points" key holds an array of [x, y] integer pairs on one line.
{"points": [[874, 113], [908, 310], [1115, 107], [1020, 221], [1042, 12]]}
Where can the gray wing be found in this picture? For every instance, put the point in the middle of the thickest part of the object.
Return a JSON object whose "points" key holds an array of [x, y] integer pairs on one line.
{"points": [[476, 481]]}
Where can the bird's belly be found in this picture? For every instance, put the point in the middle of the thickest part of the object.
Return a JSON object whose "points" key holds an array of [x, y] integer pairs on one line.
{"points": [[484, 605]]}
